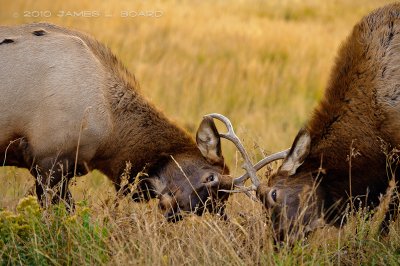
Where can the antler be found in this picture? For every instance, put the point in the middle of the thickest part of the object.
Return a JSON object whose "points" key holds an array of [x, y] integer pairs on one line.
{"points": [[248, 166], [269, 159], [230, 135]]}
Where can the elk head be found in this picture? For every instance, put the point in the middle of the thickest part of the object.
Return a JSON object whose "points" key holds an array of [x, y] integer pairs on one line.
{"points": [[293, 198], [190, 181], [292, 195]]}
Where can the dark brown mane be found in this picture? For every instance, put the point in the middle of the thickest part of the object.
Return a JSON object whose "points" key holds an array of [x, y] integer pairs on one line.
{"points": [[353, 82]]}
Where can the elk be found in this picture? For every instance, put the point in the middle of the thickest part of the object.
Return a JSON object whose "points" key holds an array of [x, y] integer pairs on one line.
{"points": [[68, 106], [340, 154]]}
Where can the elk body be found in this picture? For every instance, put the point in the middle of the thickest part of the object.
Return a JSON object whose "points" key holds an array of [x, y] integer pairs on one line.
{"points": [[339, 153], [68, 106]]}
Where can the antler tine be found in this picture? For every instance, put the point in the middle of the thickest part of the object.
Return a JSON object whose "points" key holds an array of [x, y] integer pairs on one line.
{"points": [[230, 135], [269, 159]]}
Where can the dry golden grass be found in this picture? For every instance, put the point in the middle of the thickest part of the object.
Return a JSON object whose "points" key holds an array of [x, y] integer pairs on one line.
{"points": [[264, 64]]}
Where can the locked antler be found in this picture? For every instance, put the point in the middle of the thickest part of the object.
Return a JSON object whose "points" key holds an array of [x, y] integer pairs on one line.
{"points": [[263, 162], [248, 165]]}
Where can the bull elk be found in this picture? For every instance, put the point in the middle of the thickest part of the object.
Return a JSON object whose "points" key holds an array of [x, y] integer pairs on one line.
{"points": [[68, 106], [339, 154]]}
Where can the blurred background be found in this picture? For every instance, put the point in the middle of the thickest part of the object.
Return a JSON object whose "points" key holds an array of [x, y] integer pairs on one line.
{"points": [[263, 64]]}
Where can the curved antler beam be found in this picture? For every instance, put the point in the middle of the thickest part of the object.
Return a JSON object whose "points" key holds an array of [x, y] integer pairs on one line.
{"points": [[230, 135]]}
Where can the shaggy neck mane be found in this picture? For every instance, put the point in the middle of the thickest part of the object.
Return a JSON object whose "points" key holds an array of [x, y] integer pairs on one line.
{"points": [[348, 112], [348, 116], [339, 92], [148, 135], [350, 119]]}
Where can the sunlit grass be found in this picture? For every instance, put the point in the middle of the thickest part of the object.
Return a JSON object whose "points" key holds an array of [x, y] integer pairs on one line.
{"points": [[264, 64]]}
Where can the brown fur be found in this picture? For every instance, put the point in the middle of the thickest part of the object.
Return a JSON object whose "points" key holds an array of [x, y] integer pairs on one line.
{"points": [[129, 128], [360, 111]]}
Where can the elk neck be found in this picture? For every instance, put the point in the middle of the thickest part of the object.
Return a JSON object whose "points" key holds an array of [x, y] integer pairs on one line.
{"points": [[346, 139], [142, 135]]}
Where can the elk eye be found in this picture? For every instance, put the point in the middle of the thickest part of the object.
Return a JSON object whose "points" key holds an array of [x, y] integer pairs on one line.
{"points": [[273, 195], [210, 178]]}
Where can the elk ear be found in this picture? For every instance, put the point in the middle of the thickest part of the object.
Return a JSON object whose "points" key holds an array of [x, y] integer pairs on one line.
{"points": [[208, 141], [298, 153]]}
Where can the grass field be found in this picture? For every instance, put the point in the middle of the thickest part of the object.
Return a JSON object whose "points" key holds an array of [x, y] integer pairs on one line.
{"points": [[264, 64]]}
